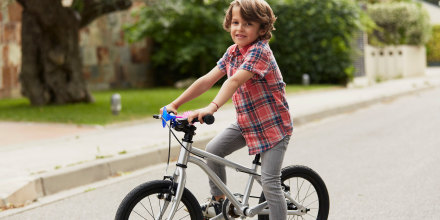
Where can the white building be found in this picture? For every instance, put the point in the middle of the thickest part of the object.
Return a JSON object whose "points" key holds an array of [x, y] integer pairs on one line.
{"points": [[434, 12]]}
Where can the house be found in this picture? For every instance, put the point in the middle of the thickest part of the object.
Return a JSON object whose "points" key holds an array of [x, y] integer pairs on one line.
{"points": [[397, 61]]}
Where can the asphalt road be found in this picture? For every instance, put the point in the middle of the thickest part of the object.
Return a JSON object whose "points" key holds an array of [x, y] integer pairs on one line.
{"points": [[381, 162]]}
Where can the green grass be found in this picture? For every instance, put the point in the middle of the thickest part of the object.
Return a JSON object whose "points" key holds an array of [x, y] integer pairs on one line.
{"points": [[136, 104]]}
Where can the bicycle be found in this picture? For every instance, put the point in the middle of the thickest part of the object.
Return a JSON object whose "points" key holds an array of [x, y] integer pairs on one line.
{"points": [[305, 191]]}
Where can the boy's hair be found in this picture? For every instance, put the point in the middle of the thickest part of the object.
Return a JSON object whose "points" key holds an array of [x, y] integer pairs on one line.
{"points": [[253, 10]]}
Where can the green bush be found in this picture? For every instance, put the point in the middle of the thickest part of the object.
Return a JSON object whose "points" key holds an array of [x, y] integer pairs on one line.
{"points": [[399, 23], [433, 46], [187, 34], [382, 1], [315, 37]]}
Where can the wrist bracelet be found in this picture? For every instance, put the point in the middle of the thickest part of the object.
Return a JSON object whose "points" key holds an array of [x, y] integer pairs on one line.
{"points": [[215, 105]]}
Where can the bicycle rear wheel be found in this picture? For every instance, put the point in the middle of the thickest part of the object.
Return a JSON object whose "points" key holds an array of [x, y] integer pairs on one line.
{"points": [[308, 189], [147, 200]]}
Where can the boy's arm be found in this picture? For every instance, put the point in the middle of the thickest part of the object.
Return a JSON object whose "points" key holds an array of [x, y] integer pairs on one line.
{"points": [[200, 86], [231, 85], [226, 91]]}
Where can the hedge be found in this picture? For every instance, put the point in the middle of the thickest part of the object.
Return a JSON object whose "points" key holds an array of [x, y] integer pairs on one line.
{"points": [[315, 37], [399, 23], [433, 46], [312, 36]]}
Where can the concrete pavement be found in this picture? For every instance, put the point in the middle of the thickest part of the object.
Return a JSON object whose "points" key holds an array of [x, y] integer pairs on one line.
{"points": [[37, 160]]}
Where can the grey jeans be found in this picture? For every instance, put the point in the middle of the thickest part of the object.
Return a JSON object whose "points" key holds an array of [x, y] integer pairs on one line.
{"points": [[231, 140]]}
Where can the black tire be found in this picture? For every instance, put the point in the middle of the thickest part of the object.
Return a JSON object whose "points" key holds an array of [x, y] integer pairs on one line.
{"points": [[144, 201], [315, 197]]}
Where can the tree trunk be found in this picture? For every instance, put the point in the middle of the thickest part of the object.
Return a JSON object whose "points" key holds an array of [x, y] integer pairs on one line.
{"points": [[51, 64]]}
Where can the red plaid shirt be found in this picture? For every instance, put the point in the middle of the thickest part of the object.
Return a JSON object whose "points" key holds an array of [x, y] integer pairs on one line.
{"points": [[262, 110]]}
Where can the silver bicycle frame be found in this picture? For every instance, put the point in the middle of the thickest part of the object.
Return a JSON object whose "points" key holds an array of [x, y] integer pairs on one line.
{"points": [[241, 208]]}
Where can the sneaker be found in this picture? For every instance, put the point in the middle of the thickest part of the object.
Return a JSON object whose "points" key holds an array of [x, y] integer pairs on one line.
{"points": [[212, 208]]}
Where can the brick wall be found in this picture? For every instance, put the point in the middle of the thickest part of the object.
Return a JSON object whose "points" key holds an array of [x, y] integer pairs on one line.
{"points": [[108, 60]]}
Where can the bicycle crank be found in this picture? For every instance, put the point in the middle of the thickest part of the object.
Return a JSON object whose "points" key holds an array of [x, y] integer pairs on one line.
{"points": [[228, 210]]}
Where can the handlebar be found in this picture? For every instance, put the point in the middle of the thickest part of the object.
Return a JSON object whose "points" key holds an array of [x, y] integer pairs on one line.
{"points": [[208, 119]]}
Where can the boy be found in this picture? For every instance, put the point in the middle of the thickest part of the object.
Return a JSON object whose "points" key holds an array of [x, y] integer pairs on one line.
{"points": [[258, 92]]}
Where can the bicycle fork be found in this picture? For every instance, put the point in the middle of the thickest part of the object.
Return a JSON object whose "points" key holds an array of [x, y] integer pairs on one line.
{"points": [[179, 177]]}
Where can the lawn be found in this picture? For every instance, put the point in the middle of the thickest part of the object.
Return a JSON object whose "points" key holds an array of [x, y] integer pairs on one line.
{"points": [[136, 104]]}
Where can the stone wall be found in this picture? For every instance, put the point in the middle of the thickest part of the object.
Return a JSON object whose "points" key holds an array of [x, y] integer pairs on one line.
{"points": [[10, 50], [108, 60]]}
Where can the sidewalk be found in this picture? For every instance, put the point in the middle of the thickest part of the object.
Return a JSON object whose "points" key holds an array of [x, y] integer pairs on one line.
{"points": [[37, 160]]}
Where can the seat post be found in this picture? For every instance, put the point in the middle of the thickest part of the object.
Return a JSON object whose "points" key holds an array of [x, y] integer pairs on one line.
{"points": [[257, 160]]}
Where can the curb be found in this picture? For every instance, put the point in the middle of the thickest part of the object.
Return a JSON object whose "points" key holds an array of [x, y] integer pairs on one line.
{"points": [[83, 174], [71, 177]]}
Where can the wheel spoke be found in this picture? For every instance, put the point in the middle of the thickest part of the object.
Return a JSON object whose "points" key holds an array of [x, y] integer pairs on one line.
{"points": [[310, 194], [152, 215], [180, 207], [141, 215], [151, 206], [302, 202], [297, 191], [298, 188], [312, 203], [312, 215], [184, 217]]}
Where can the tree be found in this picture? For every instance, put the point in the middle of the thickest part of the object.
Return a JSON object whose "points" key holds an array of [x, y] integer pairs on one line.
{"points": [[51, 70]]}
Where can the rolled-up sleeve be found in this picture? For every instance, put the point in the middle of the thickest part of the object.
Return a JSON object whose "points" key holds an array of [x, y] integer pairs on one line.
{"points": [[256, 61], [222, 63]]}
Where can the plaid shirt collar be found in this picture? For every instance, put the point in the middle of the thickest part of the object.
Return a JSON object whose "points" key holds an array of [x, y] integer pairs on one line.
{"points": [[236, 51]]}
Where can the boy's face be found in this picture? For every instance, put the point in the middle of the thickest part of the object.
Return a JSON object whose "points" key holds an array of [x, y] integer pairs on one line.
{"points": [[243, 32]]}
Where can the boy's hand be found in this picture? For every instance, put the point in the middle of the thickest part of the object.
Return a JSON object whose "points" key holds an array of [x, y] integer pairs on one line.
{"points": [[208, 110], [170, 108]]}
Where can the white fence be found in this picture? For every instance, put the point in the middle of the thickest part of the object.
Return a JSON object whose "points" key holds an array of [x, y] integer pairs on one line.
{"points": [[393, 62]]}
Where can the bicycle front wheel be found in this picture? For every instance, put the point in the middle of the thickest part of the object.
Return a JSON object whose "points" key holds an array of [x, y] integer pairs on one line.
{"points": [[151, 200], [308, 189]]}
